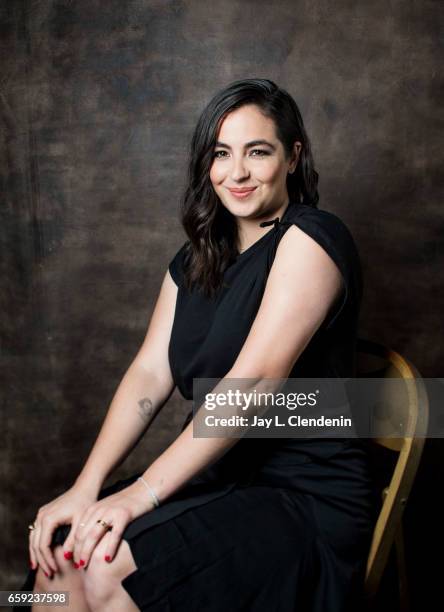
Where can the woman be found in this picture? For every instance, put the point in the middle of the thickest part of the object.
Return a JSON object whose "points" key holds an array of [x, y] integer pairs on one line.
{"points": [[266, 286]]}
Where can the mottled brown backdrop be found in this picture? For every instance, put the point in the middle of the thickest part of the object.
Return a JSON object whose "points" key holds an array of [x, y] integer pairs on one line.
{"points": [[98, 101]]}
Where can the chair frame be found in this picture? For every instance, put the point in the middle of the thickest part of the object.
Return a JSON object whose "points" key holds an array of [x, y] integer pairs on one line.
{"points": [[388, 531]]}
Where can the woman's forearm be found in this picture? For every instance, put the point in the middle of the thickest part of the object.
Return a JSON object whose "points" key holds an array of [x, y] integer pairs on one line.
{"points": [[184, 459], [187, 456], [138, 398]]}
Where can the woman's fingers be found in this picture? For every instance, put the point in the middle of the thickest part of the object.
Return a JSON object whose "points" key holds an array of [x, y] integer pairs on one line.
{"points": [[87, 541], [80, 534], [116, 518], [75, 533], [48, 527], [41, 538], [68, 544], [86, 526], [114, 539], [32, 555], [36, 545], [64, 510]]}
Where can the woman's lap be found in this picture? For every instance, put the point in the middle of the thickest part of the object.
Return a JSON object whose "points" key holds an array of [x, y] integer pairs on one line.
{"points": [[236, 550], [254, 547]]}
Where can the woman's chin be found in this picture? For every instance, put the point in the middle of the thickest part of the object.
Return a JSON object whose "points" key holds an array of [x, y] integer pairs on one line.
{"points": [[244, 209]]}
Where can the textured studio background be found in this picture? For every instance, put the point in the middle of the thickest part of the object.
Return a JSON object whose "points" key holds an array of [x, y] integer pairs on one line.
{"points": [[97, 104]]}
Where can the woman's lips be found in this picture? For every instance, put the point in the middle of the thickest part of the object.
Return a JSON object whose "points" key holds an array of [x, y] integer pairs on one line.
{"points": [[241, 194]]}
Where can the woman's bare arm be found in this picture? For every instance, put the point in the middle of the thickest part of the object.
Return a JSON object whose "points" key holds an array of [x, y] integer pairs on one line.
{"points": [[144, 389], [302, 286]]}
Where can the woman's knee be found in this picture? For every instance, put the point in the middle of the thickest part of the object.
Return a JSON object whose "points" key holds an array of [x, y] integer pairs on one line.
{"points": [[101, 579], [41, 581], [66, 572]]}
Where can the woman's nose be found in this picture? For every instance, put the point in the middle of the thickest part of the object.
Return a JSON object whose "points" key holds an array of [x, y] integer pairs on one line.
{"points": [[239, 169]]}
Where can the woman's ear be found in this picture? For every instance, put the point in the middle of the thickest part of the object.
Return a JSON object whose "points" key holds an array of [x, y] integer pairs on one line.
{"points": [[297, 147]]}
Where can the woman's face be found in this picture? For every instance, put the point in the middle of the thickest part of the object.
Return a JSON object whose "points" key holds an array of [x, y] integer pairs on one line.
{"points": [[248, 154]]}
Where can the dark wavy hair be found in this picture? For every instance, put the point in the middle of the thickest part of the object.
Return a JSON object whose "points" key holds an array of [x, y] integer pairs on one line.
{"points": [[211, 228]]}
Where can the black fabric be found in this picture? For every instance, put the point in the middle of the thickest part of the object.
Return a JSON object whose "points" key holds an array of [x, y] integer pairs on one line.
{"points": [[208, 334], [274, 525]]}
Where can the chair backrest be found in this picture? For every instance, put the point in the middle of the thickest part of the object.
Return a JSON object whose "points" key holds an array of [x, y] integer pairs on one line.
{"points": [[378, 361]]}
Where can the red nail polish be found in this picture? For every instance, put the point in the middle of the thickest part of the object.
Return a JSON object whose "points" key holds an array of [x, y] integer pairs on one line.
{"points": [[108, 558], [68, 555], [31, 565], [45, 573], [82, 562], [76, 565]]}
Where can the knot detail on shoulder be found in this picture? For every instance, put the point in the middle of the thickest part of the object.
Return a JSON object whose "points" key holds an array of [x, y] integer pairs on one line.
{"points": [[276, 222], [286, 219], [273, 222]]}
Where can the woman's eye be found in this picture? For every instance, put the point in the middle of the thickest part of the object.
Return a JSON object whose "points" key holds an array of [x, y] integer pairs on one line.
{"points": [[261, 151]]}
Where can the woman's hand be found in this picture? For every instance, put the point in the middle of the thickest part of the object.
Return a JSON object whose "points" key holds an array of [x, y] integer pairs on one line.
{"points": [[115, 510], [64, 510]]}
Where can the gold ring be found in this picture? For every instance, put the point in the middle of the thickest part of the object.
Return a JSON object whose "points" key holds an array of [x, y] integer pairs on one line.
{"points": [[31, 527], [104, 523]]}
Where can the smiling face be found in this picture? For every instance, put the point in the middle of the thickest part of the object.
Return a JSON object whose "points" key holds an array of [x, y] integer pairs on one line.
{"points": [[249, 156]]}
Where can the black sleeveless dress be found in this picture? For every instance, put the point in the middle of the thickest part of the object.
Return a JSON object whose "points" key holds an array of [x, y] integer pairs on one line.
{"points": [[278, 525]]}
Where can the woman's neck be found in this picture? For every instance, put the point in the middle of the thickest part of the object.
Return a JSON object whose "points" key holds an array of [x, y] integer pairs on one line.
{"points": [[249, 230]]}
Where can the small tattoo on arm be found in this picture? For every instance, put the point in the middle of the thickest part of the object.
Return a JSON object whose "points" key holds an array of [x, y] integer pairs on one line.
{"points": [[145, 408]]}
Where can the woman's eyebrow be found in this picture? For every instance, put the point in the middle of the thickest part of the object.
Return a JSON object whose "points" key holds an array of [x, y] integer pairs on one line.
{"points": [[252, 143]]}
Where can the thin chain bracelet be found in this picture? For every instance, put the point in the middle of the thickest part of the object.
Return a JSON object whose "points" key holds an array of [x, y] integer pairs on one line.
{"points": [[153, 495]]}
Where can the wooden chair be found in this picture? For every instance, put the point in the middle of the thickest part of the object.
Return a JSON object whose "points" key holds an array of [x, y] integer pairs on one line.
{"points": [[377, 361]]}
